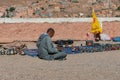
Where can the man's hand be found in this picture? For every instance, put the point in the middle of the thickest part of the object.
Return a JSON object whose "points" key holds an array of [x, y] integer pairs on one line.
{"points": [[59, 48]]}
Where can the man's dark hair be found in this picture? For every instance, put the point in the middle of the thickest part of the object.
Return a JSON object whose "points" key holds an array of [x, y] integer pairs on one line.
{"points": [[50, 29]]}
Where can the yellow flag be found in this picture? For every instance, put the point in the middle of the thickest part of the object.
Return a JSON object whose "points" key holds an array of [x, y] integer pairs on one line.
{"points": [[96, 27]]}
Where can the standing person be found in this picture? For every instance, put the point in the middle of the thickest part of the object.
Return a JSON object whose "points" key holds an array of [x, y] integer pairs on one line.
{"points": [[46, 49], [97, 36]]}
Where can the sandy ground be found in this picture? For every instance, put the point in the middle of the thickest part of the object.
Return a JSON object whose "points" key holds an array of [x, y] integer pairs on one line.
{"points": [[86, 66], [94, 66]]}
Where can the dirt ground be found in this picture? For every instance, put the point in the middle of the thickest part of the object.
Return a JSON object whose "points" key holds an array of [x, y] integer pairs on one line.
{"points": [[31, 31], [94, 66], [85, 66]]}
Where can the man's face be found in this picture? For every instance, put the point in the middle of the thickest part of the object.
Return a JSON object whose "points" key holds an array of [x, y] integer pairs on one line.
{"points": [[51, 34]]}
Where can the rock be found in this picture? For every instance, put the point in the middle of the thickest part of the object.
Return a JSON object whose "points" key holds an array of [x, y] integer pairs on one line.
{"points": [[57, 9]]}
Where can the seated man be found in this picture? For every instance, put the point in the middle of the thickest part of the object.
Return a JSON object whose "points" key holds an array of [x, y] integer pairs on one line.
{"points": [[46, 50]]}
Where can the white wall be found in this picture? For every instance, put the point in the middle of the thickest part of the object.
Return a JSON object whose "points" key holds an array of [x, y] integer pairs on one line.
{"points": [[52, 20]]}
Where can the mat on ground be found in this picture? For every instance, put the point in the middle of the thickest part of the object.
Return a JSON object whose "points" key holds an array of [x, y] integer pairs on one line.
{"points": [[31, 52]]}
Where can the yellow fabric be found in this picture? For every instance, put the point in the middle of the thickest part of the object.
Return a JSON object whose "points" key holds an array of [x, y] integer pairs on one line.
{"points": [[96, 27]]}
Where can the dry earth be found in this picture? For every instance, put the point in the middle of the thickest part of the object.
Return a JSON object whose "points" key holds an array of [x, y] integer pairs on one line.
{"points": [[31, 31], [94, 66]]}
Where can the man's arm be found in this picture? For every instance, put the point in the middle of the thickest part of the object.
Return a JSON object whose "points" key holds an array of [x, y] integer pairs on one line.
{"points": [[50, 47]]}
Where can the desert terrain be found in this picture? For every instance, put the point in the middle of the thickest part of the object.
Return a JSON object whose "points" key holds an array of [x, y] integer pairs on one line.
{"points": [[31, 31], [92, 66]]}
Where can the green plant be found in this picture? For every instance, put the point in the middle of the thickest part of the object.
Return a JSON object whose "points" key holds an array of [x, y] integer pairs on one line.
{"points": [[118, 8], [12, 9]]}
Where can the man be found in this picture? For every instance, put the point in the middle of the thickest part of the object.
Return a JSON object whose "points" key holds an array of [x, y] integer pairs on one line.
{"points": [[97, 36], [46, 49]]}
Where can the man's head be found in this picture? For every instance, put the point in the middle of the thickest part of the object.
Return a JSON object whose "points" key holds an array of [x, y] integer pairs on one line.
{"points": [[51, 32]]}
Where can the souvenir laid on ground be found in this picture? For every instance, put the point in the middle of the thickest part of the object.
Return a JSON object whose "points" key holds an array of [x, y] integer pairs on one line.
{"points": [[116, 39], [105, 37], [12, 50]]}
